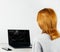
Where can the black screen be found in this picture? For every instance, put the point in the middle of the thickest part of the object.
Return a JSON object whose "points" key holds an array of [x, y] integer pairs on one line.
{"points": [[19, 38]]}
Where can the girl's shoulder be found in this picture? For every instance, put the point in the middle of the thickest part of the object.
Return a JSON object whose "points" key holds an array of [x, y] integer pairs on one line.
{"points": [[43, 37]]}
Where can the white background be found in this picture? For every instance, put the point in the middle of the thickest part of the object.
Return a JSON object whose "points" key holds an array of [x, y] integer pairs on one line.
{"points": [[22, 14]]}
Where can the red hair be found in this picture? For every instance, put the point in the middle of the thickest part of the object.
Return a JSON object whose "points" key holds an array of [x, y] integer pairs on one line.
{"points": [[47, 21]]}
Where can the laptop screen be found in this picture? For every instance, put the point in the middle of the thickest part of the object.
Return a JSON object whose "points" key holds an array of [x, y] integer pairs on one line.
{"points": [[19, 38]]}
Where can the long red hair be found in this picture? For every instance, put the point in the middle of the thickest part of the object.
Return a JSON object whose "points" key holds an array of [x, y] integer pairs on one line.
{"points": [[47, 21]]}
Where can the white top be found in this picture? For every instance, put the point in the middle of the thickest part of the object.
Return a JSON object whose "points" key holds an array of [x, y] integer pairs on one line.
{"points": [[46, 43]]}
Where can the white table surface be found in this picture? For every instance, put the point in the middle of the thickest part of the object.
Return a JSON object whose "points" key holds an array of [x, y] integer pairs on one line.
{"points": [[5, 45]]}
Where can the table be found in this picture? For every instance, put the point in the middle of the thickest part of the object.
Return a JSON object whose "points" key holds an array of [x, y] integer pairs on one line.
{"points": [[5, 45]]}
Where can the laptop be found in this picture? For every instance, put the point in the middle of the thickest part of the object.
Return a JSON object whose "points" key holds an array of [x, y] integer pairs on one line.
{"points": [[19, 38]]}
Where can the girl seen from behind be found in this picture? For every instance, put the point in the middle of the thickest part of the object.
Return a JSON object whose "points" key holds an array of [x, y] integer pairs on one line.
{"points": [[47, 21]]}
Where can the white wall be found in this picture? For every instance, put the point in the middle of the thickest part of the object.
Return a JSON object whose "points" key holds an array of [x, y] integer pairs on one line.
{"points": [[21, 14]]}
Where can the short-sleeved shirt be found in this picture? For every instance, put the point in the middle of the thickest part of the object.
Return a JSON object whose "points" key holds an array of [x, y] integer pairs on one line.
{"points": [[46, 43]]}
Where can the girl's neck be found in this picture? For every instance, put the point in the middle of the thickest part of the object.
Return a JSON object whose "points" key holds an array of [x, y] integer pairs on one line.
{"points": [[54, 35]]}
